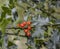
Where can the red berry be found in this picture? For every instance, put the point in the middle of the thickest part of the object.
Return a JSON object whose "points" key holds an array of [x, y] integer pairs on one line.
{"points": [[29, 27], [28, 34], [26, 30], [28, 23], [24, 23]]}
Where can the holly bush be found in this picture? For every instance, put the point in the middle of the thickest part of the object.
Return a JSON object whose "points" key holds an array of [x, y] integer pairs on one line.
{"points": [[37, 20]]}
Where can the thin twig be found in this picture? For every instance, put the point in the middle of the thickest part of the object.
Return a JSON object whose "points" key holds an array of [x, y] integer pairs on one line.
{"points": [[15, 34], [33, 26]]}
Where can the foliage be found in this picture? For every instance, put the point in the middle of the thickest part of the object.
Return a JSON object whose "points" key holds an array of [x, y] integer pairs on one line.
{"points": [[40, 13]]}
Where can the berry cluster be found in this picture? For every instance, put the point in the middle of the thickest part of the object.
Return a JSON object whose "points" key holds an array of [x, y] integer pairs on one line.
{"points": [[26, 30]]}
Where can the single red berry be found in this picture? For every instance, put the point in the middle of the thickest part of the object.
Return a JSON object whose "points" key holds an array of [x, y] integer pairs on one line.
{"points": [[28, 23], [28, 34], [24, 23], [29, 28], [26, 30]]}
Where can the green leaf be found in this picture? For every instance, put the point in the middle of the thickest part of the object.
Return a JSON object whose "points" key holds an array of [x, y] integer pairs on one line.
{"points": [[3, 24], [6, 10], [11, 5], [10, 43], [0, 48], [49, 30], [2, 16], [1, 42], [11, 1], [46, 34]]}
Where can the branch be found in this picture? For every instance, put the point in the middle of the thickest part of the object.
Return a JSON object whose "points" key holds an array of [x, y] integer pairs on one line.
{"points": [[33, 26], [15, 34], [16, 28]]}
